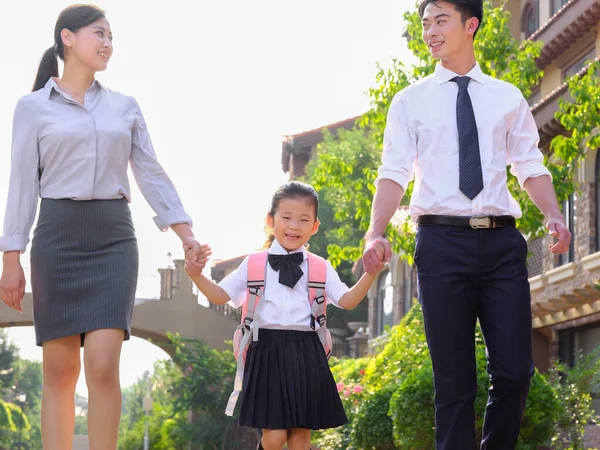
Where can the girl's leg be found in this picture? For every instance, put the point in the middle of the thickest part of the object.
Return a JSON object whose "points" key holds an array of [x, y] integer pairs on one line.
{"points": [[298, 439], [102, 353], [61, 365], [274, 439]]}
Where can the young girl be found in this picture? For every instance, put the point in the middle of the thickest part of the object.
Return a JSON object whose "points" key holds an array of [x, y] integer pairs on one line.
{"points": [[288, 388], [72, 141]]}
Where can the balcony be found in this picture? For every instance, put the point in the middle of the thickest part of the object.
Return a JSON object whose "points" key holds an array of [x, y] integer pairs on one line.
{"points": [[565, 27]]}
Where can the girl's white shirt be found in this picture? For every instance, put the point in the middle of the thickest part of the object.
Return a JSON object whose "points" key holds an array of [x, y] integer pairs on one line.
{"points": [[282, 307]]}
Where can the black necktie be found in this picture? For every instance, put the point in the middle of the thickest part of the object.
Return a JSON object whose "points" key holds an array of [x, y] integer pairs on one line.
{"points": [[469, 160], [288, 267]]}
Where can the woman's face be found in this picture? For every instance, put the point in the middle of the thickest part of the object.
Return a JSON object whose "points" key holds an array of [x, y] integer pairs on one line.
{"points": [[91, 46]]}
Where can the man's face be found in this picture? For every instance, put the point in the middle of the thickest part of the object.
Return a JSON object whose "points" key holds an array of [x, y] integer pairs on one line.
{"points": [[444, 31]]}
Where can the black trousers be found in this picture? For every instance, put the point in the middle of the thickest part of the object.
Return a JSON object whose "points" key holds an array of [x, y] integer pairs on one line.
{"points": [[465, 275]]}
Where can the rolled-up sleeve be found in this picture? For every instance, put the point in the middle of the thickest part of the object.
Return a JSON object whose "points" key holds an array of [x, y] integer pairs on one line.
{"points": [[156, 187], [24, 181], [399, 146], [235, 284], [524, 156]]}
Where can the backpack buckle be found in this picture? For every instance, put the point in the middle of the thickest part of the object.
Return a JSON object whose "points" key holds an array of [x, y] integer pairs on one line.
{"points": [[255, 291], [247, 322], [319, 299], [321, 319]]}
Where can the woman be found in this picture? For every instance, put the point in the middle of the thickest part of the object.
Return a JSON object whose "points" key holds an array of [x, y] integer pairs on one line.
{"points": [[72, 140]]}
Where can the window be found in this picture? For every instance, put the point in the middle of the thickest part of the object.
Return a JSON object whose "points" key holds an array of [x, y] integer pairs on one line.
{"points": [[568, 209], [408, 288], [530, 19], [580, 341], [385, 302], [579, 64], [535, 260], [557, 4]]}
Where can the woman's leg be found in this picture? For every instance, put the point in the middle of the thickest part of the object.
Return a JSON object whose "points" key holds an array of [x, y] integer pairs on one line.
{"points": [[61, 365], [274, 439], [298, 439], [102, 353]]}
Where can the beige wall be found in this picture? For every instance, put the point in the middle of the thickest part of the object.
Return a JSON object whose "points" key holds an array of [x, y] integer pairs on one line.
{"points": [[514, 6], [552, 79]]}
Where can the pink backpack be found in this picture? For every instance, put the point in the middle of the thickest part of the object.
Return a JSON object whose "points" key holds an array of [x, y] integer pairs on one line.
{"points": [[248, 328]]}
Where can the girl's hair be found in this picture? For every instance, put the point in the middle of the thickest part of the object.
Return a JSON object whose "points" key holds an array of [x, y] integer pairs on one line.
{"points": [[291, 189], [72, 18]]}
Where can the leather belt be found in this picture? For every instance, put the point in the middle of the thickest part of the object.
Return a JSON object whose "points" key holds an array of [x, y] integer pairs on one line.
{"points": [[474, 222]]}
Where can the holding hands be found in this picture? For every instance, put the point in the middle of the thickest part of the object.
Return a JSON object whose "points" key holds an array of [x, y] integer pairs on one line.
{"points": [[196, 256], [377, 252]]}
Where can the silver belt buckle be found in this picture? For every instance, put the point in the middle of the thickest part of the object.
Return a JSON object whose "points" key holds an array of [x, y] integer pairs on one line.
{"points": [[480, 222]]}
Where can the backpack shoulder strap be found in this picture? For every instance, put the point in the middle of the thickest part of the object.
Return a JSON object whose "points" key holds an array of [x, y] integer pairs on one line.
{"points": [[257, 265], [317, 277], [317, 270], [248, 329]]}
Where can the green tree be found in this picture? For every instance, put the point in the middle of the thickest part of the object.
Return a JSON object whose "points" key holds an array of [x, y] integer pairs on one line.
{"points": [[8, 355], [202, 390], [27, 379]]}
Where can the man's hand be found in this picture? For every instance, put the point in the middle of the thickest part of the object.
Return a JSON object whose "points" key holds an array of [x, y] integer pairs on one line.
{"points": [[377, 252], [557, 229]]}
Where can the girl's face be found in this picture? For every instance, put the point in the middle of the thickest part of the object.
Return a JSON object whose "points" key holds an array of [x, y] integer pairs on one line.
{"points": [[294, 222], [90, 46]]}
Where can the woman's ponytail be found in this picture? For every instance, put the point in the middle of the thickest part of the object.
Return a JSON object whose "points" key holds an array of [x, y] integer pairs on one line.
{"points": [[48, 68], [72, 18]]}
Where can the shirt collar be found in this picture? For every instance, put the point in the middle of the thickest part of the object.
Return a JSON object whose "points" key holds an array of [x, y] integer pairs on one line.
{"points": [[277, 249], [443, 75], [52, 85]]}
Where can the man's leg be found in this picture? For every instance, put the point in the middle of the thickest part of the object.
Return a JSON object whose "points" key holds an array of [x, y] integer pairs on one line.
{"points": [[447, 269], [505, 318]]}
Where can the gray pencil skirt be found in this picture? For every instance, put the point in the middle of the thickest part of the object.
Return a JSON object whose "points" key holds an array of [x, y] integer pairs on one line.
{"points": [[84, 268]]}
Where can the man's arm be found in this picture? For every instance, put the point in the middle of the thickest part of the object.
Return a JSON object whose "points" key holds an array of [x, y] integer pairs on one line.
{"points": [[388, 195], [542, 194]]}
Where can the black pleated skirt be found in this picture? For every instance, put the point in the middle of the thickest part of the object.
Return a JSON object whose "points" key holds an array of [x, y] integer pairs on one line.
{"points": [[84, 268], [288, 383]]}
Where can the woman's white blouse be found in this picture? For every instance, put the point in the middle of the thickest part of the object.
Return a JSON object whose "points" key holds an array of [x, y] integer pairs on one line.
{"points": [[61, 149]]}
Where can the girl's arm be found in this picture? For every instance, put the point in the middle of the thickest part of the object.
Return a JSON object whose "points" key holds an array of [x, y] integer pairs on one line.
{"points": [[357, 292], [213, 292]]}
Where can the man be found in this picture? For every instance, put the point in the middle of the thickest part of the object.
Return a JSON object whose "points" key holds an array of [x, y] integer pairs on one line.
{"points": [[455, 132]]}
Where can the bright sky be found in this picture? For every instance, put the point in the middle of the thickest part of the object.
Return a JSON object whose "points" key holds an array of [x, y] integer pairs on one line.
{"points": [[220, 83]]}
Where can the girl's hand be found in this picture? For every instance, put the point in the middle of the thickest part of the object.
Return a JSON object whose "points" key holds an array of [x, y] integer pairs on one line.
{"points": [[195, 260], [12, 284]]}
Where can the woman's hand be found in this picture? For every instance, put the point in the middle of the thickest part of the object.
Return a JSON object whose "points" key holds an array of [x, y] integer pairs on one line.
{"points": [[12, 282]]}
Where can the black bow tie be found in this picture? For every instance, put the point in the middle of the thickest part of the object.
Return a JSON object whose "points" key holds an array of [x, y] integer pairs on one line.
{"points": [[288, 267]]}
